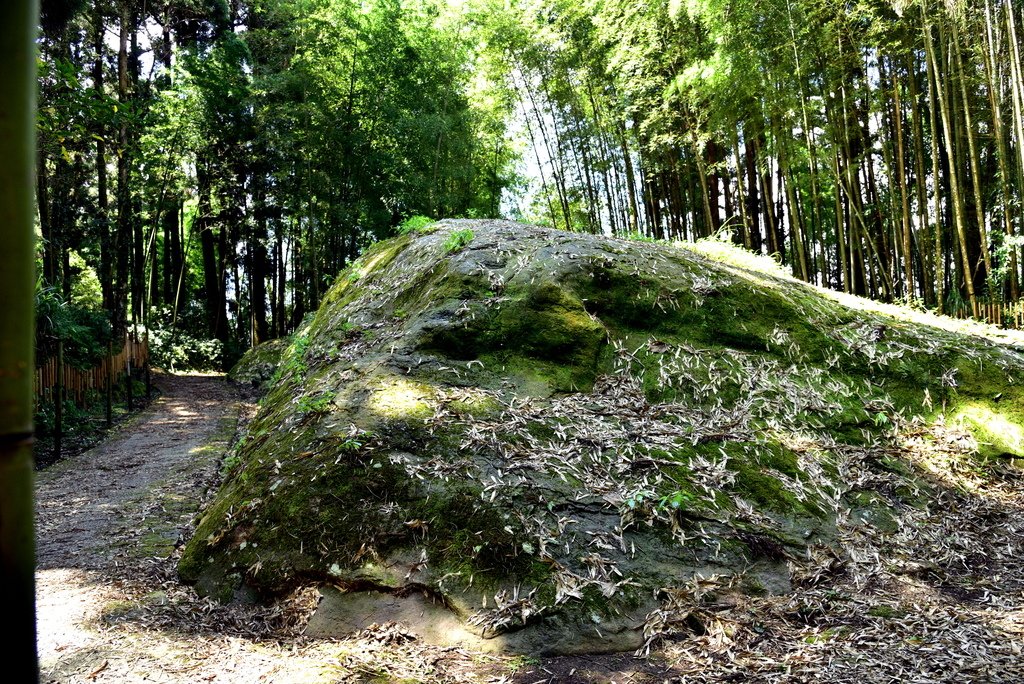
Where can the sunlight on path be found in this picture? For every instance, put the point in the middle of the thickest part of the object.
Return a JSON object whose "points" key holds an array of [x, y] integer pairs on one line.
{"points": [[102, 512]]}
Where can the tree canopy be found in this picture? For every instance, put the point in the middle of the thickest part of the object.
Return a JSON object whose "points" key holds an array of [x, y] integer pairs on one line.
{"points": [[213, 166], [875, 146], [210, 166]]}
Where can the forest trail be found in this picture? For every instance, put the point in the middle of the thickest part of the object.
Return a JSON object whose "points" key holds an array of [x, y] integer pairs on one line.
{"points": [[108, 522], [82, 502]]}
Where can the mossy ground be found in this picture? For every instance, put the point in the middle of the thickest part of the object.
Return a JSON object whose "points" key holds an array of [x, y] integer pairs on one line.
{"points": [[585, 420]]}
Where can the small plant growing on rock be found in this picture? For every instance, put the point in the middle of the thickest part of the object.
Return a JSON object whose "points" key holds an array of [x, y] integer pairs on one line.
{"points": [[318, 405], [458, 239], [295, 362], [416, 224], [678, 500]]}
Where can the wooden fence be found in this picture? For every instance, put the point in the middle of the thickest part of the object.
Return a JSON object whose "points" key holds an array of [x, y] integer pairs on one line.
{"points": [[79, 383], [1003, 314]]}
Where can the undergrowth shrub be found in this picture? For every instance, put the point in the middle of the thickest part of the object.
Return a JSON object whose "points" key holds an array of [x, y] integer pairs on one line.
{"points": [[458, 239], [177, 350], [85, 331]]}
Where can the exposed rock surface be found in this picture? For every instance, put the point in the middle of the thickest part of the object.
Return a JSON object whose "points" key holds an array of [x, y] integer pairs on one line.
{"points": [[554, 443]]}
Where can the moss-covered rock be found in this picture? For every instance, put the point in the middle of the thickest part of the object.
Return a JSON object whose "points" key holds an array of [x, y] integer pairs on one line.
{"points": [[258, 366], [540, 432]]}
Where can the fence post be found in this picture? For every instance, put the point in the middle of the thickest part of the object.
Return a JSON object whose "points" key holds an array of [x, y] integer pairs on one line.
{"points": [[145, 361], [108, 398], [129, 389], [58, 403]]}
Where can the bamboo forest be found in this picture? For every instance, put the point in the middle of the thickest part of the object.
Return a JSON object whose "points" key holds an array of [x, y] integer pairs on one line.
{"points": [[523, 340], [207, 167]]}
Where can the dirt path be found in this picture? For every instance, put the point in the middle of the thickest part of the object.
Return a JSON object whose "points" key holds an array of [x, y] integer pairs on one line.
{"points": [[83, 502], [108, 522]]}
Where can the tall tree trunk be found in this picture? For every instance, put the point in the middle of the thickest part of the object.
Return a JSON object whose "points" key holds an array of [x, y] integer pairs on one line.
{"points": [[968, 122], [753, 198], [926, 255], [937, 236], [228, 267], [168, 203], [741, 235], [123, 236], [42, 178], [1001, 152], [901, 181], [138, 240], [631, 194], [713, 184], [605, 166], [844, 263], [46, 230], [874, 231], [849, 150], [258, 265], [705, 190], [557, 171], [106, 274], [170, 230], [956, 198], [773, 229], [280, 283], [18, 72], [808, 129], [298, 280], [1016, 83], [800, 266], [540, 165], [213, 278]]}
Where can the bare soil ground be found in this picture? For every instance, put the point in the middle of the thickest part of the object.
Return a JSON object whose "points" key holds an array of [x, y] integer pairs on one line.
{"points": [[940, 601]]}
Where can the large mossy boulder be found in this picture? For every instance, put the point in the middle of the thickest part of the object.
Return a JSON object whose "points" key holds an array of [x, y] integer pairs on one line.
{"points": [[527, 439], [258, 366]]}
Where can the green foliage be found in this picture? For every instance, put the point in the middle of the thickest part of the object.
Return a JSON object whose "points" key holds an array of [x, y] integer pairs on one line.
{"points": [[416, 224], [84, 331], [317, 405], [639, 237], [883, 611], [229, 463], [46, 416], [86, 291], [356, 442], [678, 500], [179, 350], [309, 126], [458, 239], [294, 361]]}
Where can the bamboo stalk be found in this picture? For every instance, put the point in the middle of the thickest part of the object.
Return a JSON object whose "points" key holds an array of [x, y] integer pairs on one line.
{"points": [[972, 155], [18, 72]]}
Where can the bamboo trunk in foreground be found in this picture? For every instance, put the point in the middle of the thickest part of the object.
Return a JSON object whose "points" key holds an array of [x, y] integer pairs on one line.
{"points": [[17, 281]]}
